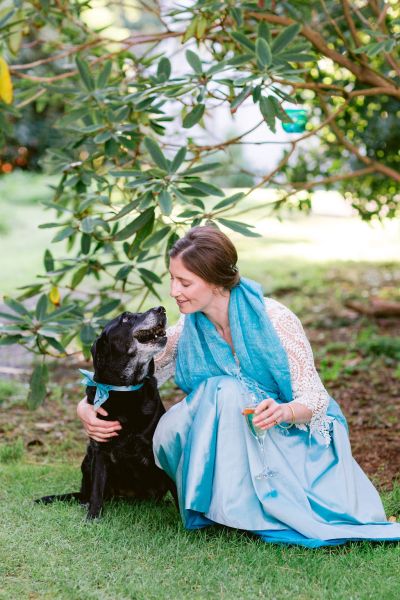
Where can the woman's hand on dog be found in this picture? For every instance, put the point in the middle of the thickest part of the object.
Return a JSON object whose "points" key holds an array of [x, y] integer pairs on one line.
{"points": [[97, 429]]}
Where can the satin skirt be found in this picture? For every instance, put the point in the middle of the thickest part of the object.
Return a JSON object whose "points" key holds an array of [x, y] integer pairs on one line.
{"points": [[320, 496]]}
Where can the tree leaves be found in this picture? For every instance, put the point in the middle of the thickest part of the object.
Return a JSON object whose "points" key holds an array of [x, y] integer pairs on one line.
{"points": [[135, 225], [244, 41], [194, 116], [267, 108], [104, 74], [263, 52], [87, 334], [241, 97], [16, 306], [38, 386], [178, 160], [156, 153], [78, 276], [164, 69], [156, 237], [64, 234], [165, 202], [106, 308], [210, 166], [41, 307], [207, 188], [149, 275], [122, 118], [6, 87], [194, 61], [263, 31], [239, 227], [285, 37], [229, 201], [85, 74], [54, 295], [48, 261], [126, 209]]}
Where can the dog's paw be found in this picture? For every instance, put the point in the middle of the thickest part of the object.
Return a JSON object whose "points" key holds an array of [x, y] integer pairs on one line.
{"points": [[93, 515]]}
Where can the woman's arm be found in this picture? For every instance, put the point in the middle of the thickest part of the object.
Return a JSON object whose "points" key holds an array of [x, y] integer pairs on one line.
{"points": [[310, 399], [164, 362], [97, 429]]}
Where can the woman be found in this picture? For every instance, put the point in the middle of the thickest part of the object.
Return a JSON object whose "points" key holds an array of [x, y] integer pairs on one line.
{"points": [[232, 346]]}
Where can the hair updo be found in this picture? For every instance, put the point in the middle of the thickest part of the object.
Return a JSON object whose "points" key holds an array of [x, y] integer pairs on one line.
{"points": [[210, 254]]}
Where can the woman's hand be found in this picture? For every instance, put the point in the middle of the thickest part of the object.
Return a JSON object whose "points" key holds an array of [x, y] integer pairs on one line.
{"points": [[269, 414], [97, 429]]}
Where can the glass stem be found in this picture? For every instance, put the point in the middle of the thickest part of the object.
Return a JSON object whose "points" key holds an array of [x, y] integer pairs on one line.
{"points": [[261, 442]]}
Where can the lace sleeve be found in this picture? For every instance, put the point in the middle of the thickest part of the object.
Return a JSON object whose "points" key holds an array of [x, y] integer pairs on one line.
{"points": [[164, 362], [306, 385]]}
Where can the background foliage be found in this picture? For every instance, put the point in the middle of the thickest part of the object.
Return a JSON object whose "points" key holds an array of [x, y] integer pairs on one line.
{"points": [[123, 121]]}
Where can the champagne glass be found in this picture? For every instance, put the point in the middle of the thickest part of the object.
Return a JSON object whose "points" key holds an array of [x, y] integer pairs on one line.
{"points": [[259, 434]]}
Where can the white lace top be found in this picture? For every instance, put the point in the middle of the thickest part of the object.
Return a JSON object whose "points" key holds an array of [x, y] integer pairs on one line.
{"points": [[306, 385]]}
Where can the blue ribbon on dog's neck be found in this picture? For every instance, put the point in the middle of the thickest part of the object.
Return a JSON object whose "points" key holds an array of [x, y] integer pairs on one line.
{"points": [[103, 389]]}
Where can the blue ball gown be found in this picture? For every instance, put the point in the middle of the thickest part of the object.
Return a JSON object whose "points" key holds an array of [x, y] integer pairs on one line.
{"points": [[319, 497]]}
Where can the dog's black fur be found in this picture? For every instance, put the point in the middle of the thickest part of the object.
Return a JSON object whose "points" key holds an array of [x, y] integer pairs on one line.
{"points": [[124, 466]]}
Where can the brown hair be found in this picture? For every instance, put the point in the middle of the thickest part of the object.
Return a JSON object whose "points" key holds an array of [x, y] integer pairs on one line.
{"points": [[210, 254]]}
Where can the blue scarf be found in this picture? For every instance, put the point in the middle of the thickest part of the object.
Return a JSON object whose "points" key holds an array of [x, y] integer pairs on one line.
{"points": [[203, 353], [103, 389]]}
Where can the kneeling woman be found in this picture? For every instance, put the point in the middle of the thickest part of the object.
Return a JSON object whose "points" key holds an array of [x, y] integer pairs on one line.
{"points": [[232, 346]]}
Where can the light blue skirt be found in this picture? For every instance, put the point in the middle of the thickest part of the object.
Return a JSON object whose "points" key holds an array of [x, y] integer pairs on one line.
{"points": [[320, 496]]}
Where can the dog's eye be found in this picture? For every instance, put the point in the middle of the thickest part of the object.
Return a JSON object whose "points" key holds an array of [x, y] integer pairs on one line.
{"points": [[125, 319]]}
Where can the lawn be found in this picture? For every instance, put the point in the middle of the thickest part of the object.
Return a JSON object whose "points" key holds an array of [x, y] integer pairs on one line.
{"points": [[313, 265], [142, 552]]}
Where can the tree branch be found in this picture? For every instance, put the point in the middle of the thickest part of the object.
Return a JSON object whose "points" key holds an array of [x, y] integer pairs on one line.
{"points": [[306, 185], [38, 94], [222, 145], [128, 43], [362, 72], [333, 23], [378, 167], [270, 175], [55, 57], [310, 86], [350, 23]]}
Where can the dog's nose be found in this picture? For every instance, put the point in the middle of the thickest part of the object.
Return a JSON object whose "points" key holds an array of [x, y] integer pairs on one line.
{"points": [[160, 310]]}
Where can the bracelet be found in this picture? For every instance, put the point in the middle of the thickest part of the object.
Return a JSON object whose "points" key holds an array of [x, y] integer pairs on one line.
{"points": [[293, 419]]}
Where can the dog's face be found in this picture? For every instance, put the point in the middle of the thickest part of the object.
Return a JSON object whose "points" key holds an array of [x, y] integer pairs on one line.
{"points": [[123, 353]]}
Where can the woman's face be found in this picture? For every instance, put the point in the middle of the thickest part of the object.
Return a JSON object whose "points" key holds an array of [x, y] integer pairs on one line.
{"points": [[191, 292]]}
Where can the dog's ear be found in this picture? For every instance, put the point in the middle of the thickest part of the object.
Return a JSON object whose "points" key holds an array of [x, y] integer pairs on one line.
{"points": [[99, 351], [93, 349]]}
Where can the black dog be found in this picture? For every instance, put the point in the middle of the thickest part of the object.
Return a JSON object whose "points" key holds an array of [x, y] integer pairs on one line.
{"points": [[124, 466]]}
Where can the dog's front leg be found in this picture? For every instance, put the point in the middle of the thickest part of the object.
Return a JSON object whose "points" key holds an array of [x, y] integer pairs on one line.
{"points": [[86, 485], [99, 482]]}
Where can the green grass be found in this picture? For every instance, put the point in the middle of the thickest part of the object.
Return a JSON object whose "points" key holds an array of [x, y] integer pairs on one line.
{"points": [[13, 452], [12, 392], [142, 552]]}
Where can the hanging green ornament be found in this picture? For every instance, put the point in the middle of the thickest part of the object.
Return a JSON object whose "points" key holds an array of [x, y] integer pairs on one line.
{"points": [[299, 120]]}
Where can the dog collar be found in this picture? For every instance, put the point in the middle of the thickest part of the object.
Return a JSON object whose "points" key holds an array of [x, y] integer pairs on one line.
{"points": [[103, 389]]}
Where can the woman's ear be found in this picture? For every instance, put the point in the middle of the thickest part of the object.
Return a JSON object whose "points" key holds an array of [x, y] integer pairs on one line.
{"points": [[218, 291]]}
